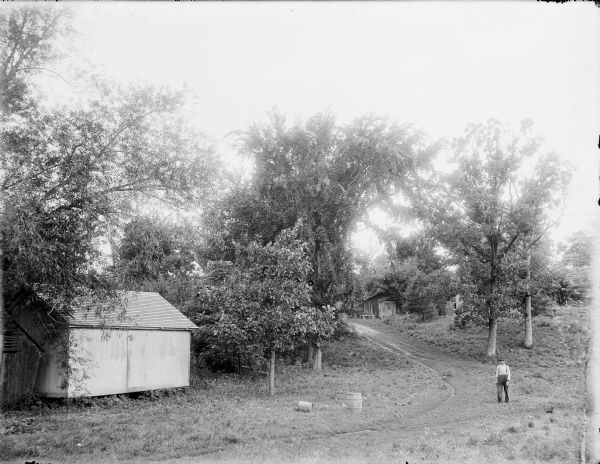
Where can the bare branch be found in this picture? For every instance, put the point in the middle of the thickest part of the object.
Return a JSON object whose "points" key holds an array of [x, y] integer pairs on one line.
{"points": [[39, 68]]}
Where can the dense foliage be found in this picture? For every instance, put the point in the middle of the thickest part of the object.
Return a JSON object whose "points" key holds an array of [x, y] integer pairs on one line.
{"points": [[71, 175], [326, 176], [484, 209], [572, 276], [261, 303]]}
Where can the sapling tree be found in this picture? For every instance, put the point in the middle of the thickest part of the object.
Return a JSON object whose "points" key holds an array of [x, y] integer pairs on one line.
{"points": [[264, 301]]}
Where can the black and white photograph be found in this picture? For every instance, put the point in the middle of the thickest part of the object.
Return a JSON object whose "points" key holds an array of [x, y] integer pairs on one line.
{"points": [[299, 232]]}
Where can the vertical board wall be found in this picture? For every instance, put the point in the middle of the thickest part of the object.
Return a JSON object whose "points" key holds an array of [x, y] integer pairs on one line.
{"points": [[106, 362], [20, 362]]}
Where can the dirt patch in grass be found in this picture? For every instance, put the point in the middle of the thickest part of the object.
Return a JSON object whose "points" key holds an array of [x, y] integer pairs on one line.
{"points": [[218, 412]]}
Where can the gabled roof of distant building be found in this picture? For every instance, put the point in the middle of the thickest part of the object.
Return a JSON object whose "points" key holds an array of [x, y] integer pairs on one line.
{"points": [[142, 310], [377, 293]]}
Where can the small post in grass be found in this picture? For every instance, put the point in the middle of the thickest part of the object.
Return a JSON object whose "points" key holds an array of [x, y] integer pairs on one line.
{"points": [[304, 406], [354, 401], [272, 374]]}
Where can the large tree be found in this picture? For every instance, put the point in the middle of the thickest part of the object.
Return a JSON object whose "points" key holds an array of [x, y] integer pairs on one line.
{"points": [[328, 176], [473, 214], [69, 175], [27, 37]]}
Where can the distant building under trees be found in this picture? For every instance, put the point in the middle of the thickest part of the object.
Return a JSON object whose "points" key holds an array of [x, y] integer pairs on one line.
{"points": [[378, 305]]}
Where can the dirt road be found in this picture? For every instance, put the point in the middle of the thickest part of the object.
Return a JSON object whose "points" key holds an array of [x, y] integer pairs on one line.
{"points": [[471, 392]]}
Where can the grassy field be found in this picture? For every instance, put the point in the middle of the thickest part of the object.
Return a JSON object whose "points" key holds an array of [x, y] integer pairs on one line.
{"points": [[409, 412], [225, 410]]}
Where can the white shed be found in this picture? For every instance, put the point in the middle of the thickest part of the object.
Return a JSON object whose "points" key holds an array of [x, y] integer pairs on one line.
{"points": [[148, 349]]}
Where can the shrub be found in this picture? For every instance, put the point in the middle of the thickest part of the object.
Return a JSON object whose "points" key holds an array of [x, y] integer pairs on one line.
{"points": [[343, 329], [493, 439], [543, 321]]}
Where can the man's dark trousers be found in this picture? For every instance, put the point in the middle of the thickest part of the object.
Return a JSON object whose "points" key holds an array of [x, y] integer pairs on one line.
{"points": [[502, 384]]}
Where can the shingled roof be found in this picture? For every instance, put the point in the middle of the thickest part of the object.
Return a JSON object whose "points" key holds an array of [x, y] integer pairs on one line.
{"points": [[143, 310], [377, 293]]}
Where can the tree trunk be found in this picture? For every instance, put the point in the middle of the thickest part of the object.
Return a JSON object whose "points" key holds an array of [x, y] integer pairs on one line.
{"points": [[492, 314], [491, 341], [2, 367], [311, 354], [272, 374], [317, 359], [528, 324]]}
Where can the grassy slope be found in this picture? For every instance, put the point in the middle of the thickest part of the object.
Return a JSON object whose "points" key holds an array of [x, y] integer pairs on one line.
{"points": [[550, 375], [553, 368], [234, 417], [224, 411]]}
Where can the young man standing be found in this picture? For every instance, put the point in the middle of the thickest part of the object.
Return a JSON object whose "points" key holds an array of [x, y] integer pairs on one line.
{"points": [[502, 378]]}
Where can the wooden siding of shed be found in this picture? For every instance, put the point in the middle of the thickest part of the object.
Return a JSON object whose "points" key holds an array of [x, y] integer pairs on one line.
{"points": [[50, 377], [20, 362], [386, 308], [121, 361]]}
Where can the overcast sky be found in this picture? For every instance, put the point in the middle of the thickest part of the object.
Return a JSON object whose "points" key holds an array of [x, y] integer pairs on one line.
{"points": [[438, 65]]}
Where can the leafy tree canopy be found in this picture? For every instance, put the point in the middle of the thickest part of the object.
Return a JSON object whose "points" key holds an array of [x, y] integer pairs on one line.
{"points": [[578, 250], [482, 209], [152, 248], [262, 302], [28, 43], [69, 175], [327, 176]]}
